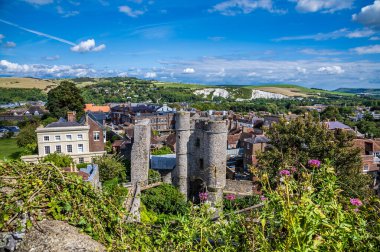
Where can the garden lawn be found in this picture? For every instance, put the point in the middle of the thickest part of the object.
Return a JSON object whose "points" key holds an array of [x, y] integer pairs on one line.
{"points": [[9, 149]]}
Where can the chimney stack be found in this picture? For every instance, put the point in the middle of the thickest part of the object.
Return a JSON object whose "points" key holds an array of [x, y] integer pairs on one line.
{"points": [[71, 116]]}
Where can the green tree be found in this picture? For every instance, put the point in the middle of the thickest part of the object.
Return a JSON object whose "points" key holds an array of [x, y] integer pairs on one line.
{"points": [[331, 113], [294, 143], [27, 138], [162, 151], [66, 97], [110, 167], [60, 160]]}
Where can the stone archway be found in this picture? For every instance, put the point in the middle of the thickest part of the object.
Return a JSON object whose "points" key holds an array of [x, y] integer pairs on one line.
{"points": [[196, 186]]}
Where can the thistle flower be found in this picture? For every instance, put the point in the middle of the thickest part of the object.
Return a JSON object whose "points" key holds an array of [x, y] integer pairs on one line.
{"points": [[284, 173], [314, 163], [356, 202], [263, 198], [230, 197], [203, 196]]}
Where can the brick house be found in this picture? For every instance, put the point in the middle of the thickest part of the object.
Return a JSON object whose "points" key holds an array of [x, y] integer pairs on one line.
{"points": [[252, 146]]}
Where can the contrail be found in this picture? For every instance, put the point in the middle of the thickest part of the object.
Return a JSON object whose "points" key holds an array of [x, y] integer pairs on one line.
{"points": [[38, 33]]}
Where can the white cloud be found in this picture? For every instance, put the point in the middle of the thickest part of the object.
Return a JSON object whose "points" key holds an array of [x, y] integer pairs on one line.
{"points": [[369, 15], [66, 14], [1, 38], [372, 49], [132, 13], [328, 6], [375, 38], [324, 52], [341, 33], [36, 70], [10, 44], [39, 2], [189, 70], [251, 74], [234, 7], [87, 46], [301, 70], [51, 58], [331, 69], [150, 75]]}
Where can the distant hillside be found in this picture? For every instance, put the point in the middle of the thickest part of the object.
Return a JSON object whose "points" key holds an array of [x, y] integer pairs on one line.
{"points": [[361, 91], [14, 82]]}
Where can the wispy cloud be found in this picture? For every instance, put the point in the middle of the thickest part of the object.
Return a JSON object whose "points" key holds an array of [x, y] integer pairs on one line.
{"points": [[38, 33], [51, 58], [372, 49], [235, 7], [65, 13], [39, 2], [324, 52], [341, 33], [326, 6], [130, 12], [83, 46], [10, 44]]}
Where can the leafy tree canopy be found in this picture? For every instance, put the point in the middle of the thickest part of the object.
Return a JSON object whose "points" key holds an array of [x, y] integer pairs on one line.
{"points": [[66, 97], [295, 142], [60, 160]]}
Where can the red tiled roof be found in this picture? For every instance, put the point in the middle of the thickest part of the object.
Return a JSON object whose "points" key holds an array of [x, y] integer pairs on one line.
{"points": [[93, 108]]}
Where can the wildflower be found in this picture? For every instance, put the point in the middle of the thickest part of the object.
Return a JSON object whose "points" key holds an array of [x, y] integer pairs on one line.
{"points": [[356, 202], [285, 172], [203, 196], [293, 169], [314, 163], [263, 198], [356, 210], [230, 197]]}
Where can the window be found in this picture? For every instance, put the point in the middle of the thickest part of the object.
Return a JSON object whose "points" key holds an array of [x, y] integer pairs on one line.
{"points": [[366, 167], [80, 136], [69, 148], [81, 160], [198, 142], [46, 138], [57, 138], [80, 147], [201, 163], [47, 150], [68, 137], [58, 149], [96, 135]]}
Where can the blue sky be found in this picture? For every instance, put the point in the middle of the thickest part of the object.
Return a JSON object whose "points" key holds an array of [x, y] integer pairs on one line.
{"points": [[315, 43]]}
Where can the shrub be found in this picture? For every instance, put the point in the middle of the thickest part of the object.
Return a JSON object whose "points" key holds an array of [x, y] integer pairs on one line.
{"points": [[164, 199], [60, 160], [162, 151], [111, 166]]}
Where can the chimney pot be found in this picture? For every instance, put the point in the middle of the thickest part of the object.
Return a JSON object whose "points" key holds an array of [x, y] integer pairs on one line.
{"points": [[71, 116]]}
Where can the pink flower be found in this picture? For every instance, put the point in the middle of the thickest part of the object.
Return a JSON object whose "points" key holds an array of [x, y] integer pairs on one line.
{"points": [[203, 196], [356, 210], [263, 198], [356, 202], [293, 169], [284, 172], [314, 163], [230, 197]]}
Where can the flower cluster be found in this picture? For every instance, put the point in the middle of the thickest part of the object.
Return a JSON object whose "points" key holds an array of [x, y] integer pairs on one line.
{"points": [[284, 173], [314, 163], [203, 196], [263, 198], [356, 202], [230, 197]]}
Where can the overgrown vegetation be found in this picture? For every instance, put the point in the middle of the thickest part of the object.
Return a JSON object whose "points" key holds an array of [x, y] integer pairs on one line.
{"points": [[59, 159], [110, 167], [8, 95]]}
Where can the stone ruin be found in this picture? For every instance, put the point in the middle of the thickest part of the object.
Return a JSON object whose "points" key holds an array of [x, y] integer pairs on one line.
{"points": [[201, 150]]}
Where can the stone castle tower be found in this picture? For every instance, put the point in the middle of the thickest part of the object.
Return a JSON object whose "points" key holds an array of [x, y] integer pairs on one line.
{"points": [[201, 150]]}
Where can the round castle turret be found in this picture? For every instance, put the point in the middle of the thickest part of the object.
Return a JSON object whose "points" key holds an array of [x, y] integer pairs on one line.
{"points": [[180, 173], [215, 154]]}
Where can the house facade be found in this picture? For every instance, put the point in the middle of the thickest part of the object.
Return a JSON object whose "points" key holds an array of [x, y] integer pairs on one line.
{"points": [[82, 141]]}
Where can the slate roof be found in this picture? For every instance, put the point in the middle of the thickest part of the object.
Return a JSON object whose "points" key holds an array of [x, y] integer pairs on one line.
{"points": [[62, 122], [337, 125]]}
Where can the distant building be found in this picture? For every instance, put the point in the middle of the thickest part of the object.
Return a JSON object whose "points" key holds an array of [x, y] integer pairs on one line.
{"points": [[93, 108], [253, 146], [81, 140]]}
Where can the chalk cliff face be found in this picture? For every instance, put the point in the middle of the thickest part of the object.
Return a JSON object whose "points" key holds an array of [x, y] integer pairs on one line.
{"points": [[256, 94], [216, 92]]}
